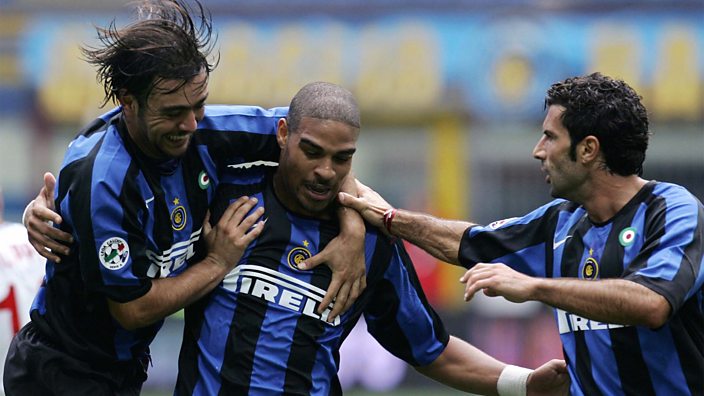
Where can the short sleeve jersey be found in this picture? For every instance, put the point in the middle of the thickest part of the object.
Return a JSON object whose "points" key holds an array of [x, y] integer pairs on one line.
{"points": [[656, 240], [133, 220], [259, 333]]}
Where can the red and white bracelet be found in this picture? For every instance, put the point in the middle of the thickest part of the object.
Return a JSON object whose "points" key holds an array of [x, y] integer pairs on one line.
{"points": [[388, 218]]}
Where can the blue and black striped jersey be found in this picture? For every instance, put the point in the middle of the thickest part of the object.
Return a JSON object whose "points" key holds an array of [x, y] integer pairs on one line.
{"points": [[656, 240], [258, 333], [134, 219]]}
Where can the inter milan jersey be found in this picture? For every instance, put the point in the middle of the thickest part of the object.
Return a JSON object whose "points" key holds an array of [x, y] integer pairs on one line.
{"points": [[258, 333], [656, 240], [134, 219]]}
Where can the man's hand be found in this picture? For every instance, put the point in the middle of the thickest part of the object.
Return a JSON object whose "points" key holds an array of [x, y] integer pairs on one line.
{"points": [[368, 203], [39, 216], [549, 379], [498, 280], [345, 257], [232, 234]]}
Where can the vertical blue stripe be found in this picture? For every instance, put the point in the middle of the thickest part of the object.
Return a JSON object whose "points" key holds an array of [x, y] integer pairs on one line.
{"points": [[664, 366], [214, 331], [604, 366]]}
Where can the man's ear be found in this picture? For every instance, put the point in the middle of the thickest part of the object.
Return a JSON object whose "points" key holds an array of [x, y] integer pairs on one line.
{"points": [[282, 132], [128, 102], [588, 149]]}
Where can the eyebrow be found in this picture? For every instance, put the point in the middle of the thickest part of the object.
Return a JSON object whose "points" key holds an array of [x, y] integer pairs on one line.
{"points": [[310, 143], [183, 107]]}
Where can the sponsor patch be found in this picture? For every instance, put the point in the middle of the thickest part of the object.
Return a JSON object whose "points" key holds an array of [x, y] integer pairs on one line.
{"points": [[113, 253]]}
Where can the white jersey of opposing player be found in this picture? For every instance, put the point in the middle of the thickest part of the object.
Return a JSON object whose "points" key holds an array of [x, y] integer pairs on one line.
{"points": [[21, 274]]}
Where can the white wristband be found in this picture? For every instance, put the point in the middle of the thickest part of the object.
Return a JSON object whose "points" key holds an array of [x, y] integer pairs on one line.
{"points": [[24, 214], [513, 381]]}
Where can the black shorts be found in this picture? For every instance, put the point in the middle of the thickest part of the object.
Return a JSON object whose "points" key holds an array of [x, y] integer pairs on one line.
{"points": [[35, 366]]}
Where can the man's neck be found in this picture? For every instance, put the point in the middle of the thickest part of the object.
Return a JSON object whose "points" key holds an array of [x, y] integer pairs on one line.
{"points": [[609, 194]]}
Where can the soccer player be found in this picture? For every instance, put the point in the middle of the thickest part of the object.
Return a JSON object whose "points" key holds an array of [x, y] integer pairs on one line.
{"points": [[132, 193], [21, 273], [257, 333], [619, 257]]}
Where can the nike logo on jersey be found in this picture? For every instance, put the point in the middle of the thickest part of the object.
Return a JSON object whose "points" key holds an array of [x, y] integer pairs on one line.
{"points": [[559, 243], [568, 322], [277, 288], [146, 202]]}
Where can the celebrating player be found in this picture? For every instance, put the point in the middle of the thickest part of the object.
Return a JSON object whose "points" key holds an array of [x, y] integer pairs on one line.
{"points": [[132, 195], [619, 257], [256, 333]]}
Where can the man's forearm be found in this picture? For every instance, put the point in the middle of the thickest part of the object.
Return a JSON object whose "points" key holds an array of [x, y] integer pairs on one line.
{"points": [[168, 295], [616, 301], [439, 237], [464, 367]]}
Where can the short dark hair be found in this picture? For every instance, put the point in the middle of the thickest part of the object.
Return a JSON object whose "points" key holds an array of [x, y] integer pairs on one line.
{"points": [[608, 109], [325, 101], [163, 44]]}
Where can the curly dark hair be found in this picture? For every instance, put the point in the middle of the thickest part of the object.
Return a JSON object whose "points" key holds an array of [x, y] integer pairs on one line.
{"points": [[608, 109], [163, 44]]}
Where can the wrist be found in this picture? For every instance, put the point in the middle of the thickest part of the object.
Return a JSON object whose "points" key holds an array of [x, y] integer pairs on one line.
{"points": [[388, 218], [513, 381]]}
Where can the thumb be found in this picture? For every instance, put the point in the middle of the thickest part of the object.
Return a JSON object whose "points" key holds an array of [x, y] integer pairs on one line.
{"points": [[348, 200], [49, 185]]}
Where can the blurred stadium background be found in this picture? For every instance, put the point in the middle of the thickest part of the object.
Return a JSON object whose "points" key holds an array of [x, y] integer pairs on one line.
{"points": [[452, 99]]}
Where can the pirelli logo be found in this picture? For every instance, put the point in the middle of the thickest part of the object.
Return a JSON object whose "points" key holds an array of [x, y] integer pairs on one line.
{"points": [[568, 322], [170, 260], [277, 288]]}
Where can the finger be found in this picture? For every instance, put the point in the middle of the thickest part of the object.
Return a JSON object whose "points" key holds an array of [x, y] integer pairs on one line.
{"points": [[342, 302], [49, 186], [58, 235], [45, 253], [313, 262], [42, 242], [358, 287], [206, 224], [349, 201], [249, 221], [253, 233], [241, 212], [465, 277], [333, 288], [231, 209]]}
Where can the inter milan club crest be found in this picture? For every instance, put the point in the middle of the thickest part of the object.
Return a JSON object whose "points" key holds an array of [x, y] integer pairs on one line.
{"points": [[627, 236], [203, 180], [298, 255], [178, 216], [590, 270], [113, 253]]}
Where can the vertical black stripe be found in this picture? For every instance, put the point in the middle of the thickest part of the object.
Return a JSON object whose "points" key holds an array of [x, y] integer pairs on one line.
{"points": [[245, 327], [188, 372], [301, 360], [687, 324], [687, 328], [632, 370], [250, 311], [304, 350], [584, 366]]}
